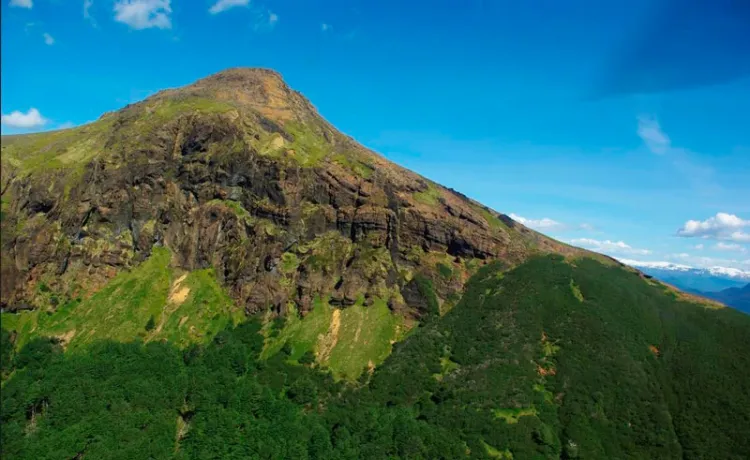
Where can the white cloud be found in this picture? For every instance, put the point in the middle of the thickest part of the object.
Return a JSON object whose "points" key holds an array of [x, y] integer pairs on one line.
{"points": [[742, 237], [223, 5], [144, 14], [325, 27], [87, 4], [700, 177], [30, 119], [698, 247], [732, 247], [538, 224], [547, 224], [650, 132], [66, 125], [22, 3], [722, 226], [265, 20], [48, 39], [607, 246]]}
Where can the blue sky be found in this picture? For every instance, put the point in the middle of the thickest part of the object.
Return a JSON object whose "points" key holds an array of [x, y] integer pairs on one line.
{"points": [[618, 126]]}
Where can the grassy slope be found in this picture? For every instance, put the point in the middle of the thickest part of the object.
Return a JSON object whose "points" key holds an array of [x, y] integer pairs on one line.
{"points": [[191, 308], [198, 309], [346, 341]]}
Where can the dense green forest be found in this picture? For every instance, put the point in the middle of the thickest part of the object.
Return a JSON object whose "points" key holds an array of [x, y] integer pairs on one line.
{"points": [[552, 359]]}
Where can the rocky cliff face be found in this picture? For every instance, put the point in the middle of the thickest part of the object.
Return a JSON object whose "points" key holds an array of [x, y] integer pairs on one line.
{"points": [[238, 172]]}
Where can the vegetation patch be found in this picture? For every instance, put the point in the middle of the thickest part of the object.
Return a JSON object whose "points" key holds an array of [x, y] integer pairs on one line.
{"points": [[289, 263], [492, 220], [496, 453], [446, 367], [169, 108], [511, 416], [191, 311], [237, 208], [364, 339], [61, 149], [358, 167], [444, 270], [326, 252], [307, 148], [548, 396], [576, 291], [346, 341], [427, 291], [431, 196], [301, 334]]}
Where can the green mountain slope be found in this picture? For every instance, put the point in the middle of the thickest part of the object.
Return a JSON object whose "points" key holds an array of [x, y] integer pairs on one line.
{"points": [[547, 360], [240, 179]]}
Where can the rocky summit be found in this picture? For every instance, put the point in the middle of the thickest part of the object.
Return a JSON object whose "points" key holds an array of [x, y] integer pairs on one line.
{"points": [[240, 173]]}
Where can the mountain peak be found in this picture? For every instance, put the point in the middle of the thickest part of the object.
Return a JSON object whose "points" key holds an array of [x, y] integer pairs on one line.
{"points": [[238, 172], [246, 79], [259, 89]]}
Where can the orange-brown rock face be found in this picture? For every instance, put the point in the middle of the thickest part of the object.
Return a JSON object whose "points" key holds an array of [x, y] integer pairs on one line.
{"points": [[240, 173]]}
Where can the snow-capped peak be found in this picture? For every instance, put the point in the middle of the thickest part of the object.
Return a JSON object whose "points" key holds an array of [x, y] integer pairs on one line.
{"points": [[730, 272], [660, 265], [715, 271]]}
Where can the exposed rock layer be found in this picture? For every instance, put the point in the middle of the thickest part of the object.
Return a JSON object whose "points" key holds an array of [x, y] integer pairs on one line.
{"points": [[240, 173]]}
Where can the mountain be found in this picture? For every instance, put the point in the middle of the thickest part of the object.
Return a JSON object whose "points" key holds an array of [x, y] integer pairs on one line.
{"points": [[237, 174], [217, 272], [690, 279], [738, 298], [240, 173]]}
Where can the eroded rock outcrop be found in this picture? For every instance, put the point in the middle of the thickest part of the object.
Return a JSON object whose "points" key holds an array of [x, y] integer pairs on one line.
{"points": [[240, 173]]}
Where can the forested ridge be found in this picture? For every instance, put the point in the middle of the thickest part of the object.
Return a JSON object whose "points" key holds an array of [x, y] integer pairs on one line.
{"points": [[552, 359]]}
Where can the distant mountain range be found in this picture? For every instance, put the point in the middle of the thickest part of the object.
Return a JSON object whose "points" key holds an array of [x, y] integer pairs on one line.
{"points": [[738, 298], [730, 286]]}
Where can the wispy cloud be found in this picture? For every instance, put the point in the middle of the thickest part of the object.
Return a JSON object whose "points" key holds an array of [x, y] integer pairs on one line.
{"points": [[22, 3], [652, 135], [144, 14], [18, 119], [265, 21], [87, 4], [539, 224], [223, 5], [730, 247], [722, 226], [609, 247], [48, 39], [700, 177], [325, 27], [547, 224]]}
